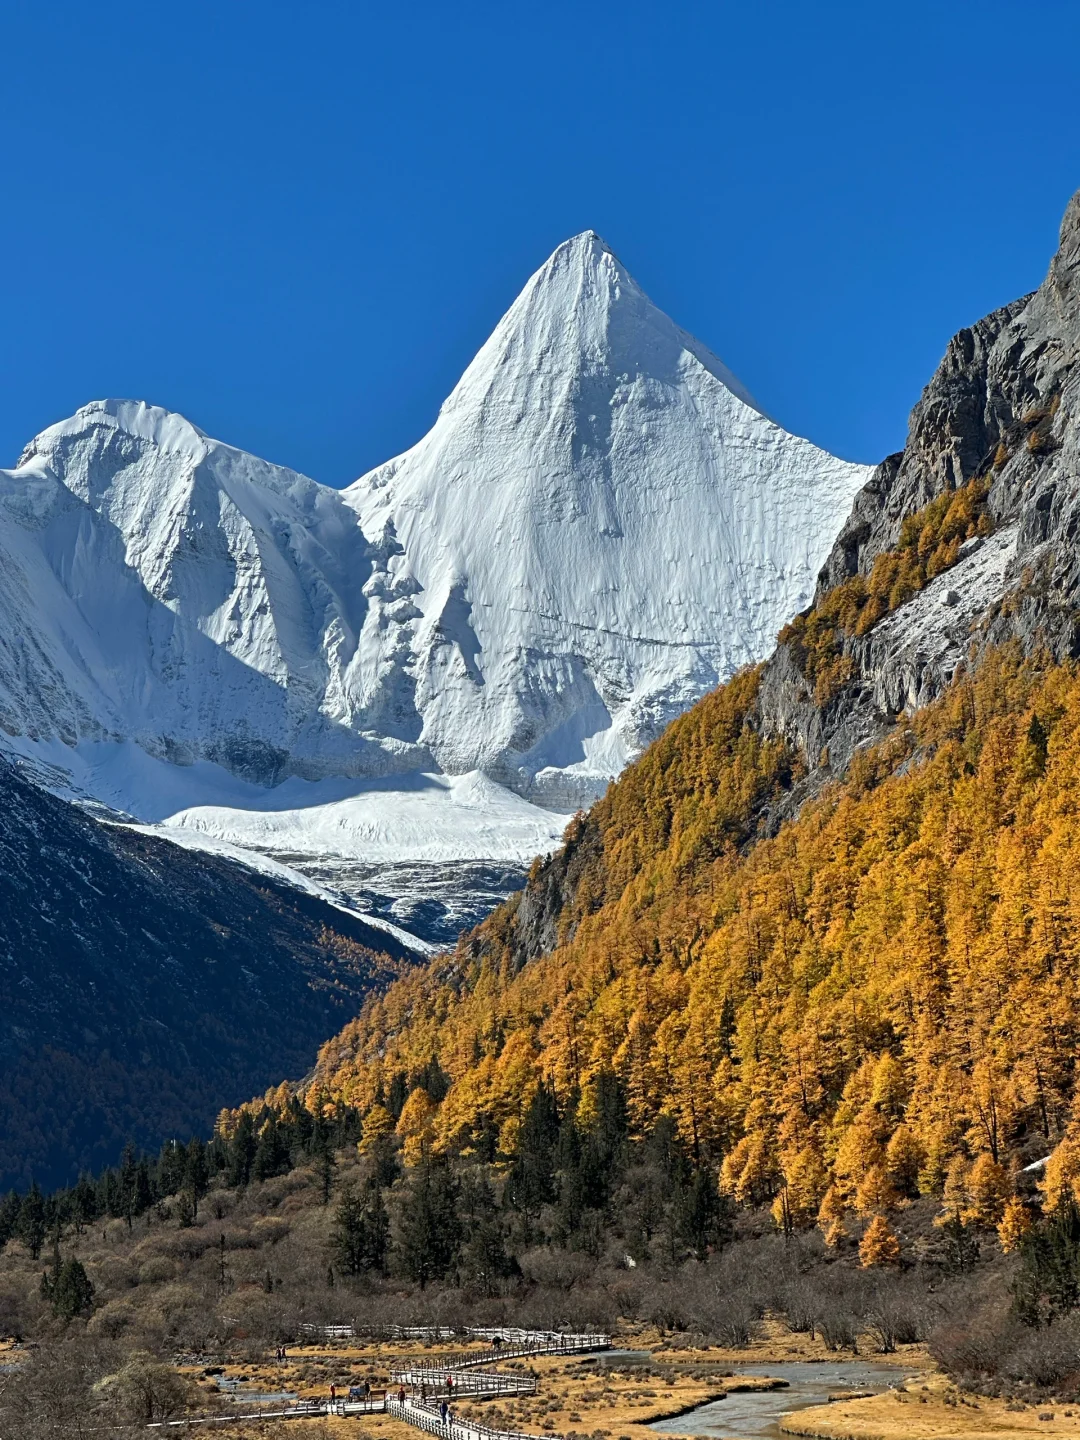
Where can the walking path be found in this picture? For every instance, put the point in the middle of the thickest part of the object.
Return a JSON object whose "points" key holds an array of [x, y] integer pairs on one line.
{"points": [[448, 1377]]}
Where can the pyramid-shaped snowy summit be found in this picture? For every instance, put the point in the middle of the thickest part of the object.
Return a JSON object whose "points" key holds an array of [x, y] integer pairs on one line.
{"points": [[600, 526]]}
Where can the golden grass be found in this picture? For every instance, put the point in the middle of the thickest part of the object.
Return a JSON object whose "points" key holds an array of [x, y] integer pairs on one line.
{"points": [[570, 1396], [775, 1345], [590, 1399], [622, 1404], [931, 1408]]}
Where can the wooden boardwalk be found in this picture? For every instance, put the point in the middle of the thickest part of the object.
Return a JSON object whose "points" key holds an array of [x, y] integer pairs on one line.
{"points": [[425, 1386]]}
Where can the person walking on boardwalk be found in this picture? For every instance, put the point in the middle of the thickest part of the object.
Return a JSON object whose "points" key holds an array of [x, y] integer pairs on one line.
{"points": [[401, 1395], [444, 1411]]}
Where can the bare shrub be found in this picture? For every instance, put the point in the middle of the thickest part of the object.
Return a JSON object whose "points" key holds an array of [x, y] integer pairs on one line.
{"points": [[157, 1270], [270, 1230], [736, 1321], [837, 1325], [555, 1269], [798, 1303], [978, 1346], [892, 1318], [1048, 1358], [58, 1391], [113, 1319]]}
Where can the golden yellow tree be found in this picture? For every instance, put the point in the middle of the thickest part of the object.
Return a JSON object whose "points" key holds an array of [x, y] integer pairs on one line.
{"points": [[377, 1122], [956, 1193], [903, 1160], [876, 1192], [1016, 1221], [806, 1180], [987, 1190], [879, 1246], [909, 943], [1061, 1178], [830, 1217]]}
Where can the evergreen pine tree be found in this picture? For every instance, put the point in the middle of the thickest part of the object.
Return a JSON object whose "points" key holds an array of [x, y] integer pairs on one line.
{"points": [[325, 1165], [1049, 1280], [961, 1245], [83, 1203], [703, 1216], [242, 1149], [72, 1292], [170, 1166], [195, 1176], [10, 1207], [531, 1182], [361, 1232], [430, 1230], [31, 1226], [485, 1262], [272, 1155]]}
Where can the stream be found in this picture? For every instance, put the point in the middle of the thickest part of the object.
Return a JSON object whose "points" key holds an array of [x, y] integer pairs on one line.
{"points": [[748, 1415]]}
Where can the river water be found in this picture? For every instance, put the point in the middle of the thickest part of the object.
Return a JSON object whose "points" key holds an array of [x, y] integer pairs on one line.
{"points": [[748, 1415]]}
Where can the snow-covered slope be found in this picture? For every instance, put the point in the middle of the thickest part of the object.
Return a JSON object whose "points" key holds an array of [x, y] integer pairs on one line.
{"points": [[160, 586], [599, 527]]}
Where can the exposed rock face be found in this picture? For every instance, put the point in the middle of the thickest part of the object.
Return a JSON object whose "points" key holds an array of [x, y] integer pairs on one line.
{"points": [[146, 986], [1003, 405]]}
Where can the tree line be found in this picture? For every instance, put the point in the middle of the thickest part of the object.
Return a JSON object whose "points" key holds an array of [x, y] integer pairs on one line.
{"points": [[264, 1142], [575, 1179]]}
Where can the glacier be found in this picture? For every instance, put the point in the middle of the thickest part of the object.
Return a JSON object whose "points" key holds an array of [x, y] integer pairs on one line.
{"points": [[436, 665]]}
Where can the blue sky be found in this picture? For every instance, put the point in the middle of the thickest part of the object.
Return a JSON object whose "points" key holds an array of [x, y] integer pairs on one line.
{"points": [[296, 223]]}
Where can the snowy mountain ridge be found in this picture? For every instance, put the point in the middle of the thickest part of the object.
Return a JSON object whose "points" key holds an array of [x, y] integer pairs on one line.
{"points": [[599, 527]]}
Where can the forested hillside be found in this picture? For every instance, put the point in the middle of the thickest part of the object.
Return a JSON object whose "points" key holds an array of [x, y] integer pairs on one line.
{"points": [[145, 985], [873, 998]]}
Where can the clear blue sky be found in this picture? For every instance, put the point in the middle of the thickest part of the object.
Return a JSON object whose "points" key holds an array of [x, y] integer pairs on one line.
{"points": [[296, 223]]}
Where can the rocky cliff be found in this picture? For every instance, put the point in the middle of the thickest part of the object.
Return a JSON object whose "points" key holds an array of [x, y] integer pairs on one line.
{"points": [[994, 438], [1001, 412]]}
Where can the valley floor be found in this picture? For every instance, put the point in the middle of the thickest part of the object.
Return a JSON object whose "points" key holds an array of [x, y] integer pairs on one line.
{"points": [[628, 1401]]}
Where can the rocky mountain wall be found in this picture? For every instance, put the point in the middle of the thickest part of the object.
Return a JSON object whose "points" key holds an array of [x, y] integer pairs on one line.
{"points": [[1004, 405]]}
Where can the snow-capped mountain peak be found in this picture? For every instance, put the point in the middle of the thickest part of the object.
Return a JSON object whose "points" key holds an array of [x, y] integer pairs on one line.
{"points": [[161, 428], [600, 525], [176, 591], [582, 304]]}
